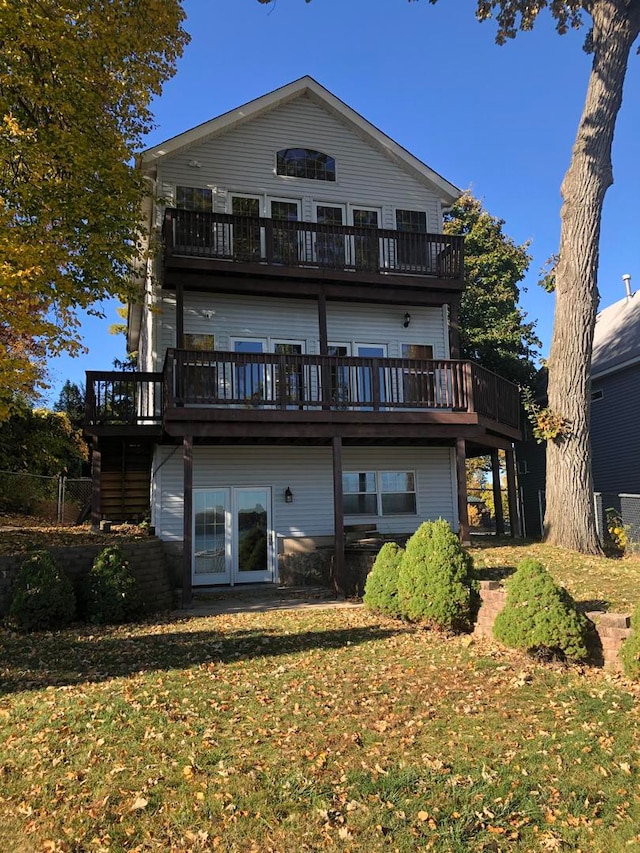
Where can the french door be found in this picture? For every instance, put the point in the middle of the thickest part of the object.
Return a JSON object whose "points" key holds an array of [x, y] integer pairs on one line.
{"points": [[285, 237], [330, 248], [366, 248], [232, 536]]}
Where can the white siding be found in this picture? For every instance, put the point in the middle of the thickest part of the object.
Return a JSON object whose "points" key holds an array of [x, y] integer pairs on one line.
{"points": [[297, 319], [243, 160], [307, 471]]}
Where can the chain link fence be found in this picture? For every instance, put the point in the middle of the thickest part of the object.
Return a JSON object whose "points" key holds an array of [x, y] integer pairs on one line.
{"points": [[61, 499]]}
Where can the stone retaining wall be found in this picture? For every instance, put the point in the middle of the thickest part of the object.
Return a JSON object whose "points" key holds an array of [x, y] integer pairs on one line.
{"points": [[146, 558], [611, 629]]}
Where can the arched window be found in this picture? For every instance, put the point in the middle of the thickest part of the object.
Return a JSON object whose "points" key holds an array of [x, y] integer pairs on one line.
{"points": [[305, 163]]}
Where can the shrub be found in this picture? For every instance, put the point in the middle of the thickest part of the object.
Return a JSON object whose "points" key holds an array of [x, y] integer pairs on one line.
{"points": [[540, 616], [112, 590], [630, 651], [43, 597], [435, 583], [381, 586]]}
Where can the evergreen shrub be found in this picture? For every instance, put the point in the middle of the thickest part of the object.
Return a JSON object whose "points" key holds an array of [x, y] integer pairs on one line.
{"points": [[630, 651], [112, 590], [381, 586], [435, 583], [540, 616], [43, 597]]}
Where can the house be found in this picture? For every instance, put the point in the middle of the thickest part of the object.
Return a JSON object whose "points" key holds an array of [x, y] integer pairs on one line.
{"points": [[615, 435], [298, 346]]}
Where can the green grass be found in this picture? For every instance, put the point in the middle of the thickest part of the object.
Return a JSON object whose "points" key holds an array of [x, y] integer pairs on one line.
{"points": [[306, 730], [606, 583]]}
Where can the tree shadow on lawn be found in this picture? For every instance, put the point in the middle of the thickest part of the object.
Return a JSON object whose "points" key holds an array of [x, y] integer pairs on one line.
{"points": [[36, 661]]}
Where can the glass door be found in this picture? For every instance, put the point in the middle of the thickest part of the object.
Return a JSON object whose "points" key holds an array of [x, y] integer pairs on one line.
{"points": [[285, 239], [211, 537], [246, 228], [365, 375], [249, 380], [366, 221], [330, 246], [289, 378], [253, 552]]}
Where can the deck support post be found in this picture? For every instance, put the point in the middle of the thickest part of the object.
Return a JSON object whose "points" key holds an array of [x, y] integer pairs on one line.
{"points": [[338, 514], [461, 477], [96, 476], [497, 492], [179, 316], [454, 329], [187, 535], [512, 493]]}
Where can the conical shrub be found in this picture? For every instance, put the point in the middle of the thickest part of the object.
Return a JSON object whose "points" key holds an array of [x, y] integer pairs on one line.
{"points": [[43, 597], [381, 587], [540, 616], [436, 584]]}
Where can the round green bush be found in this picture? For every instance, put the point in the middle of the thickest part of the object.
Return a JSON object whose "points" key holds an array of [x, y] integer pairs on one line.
{"points": [[112, 590], [435, 583], [540, 616], [630, 651], [43, 597], [381, 586]]}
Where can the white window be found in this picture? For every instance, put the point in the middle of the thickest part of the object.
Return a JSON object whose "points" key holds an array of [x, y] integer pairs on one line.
{"points": [[379, 492]]}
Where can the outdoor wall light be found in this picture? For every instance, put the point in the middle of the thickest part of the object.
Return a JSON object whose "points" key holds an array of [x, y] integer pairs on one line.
{"points": [[407, 320], [288, 496]]}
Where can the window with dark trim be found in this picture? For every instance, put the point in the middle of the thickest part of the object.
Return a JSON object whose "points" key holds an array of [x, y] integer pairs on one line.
{"points": [[379, 492], [305, 163], [194, 198]]}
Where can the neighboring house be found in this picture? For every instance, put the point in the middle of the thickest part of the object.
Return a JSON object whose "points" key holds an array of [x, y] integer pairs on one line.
{"points": [[298, 346], [615, 398], [615, 434]]}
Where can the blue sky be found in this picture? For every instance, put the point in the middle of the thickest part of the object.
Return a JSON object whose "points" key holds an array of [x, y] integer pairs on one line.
{"points": [[498, 120]]}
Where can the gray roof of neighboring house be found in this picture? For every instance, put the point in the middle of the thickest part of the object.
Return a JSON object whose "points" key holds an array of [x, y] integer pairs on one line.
{"points": [[616, 341]]}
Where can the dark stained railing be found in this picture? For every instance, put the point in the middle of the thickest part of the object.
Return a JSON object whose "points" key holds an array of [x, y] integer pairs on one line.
{"points": [[243, 239], [123, 398], [298, 382], [291, 381]]}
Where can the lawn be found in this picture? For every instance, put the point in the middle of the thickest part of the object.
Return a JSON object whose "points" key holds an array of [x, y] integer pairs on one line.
{"points": [[309, 730], [597, 583]]}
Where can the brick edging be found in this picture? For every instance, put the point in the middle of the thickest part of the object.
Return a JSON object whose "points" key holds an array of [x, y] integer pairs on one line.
{"points": [[611, 629]]}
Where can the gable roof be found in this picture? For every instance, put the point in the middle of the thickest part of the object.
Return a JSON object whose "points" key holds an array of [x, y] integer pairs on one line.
{"points": [[616, 340], [305, 86]]}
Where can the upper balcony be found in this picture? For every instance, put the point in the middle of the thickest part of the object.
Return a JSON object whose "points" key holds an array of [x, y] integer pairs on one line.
{"points": [[257, 246], [288, 395]]}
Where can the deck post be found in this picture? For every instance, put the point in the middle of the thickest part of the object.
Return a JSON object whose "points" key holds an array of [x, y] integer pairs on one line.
{"points": [[96, 471], [179, 316], [338, 514], [454, 329], [187, 535], [461, 476], [497, 492], [514, 520]]}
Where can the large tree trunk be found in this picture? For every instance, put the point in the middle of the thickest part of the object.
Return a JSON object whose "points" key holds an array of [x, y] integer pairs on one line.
{"points": [[570, 517]]}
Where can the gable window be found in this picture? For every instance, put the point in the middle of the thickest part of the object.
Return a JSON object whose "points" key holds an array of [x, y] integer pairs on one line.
{"points": [[305, 163], [379, 492], [194, 198]]}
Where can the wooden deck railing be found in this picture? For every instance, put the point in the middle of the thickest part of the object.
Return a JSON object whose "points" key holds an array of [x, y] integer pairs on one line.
{"points": [[115, 398], [298, 382], [243, 239]]}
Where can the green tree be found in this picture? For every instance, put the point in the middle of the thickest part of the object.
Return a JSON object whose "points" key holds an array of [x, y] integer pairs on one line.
{"points": [[493, 330], [71, 401], [40, 442], [76, 81]]}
